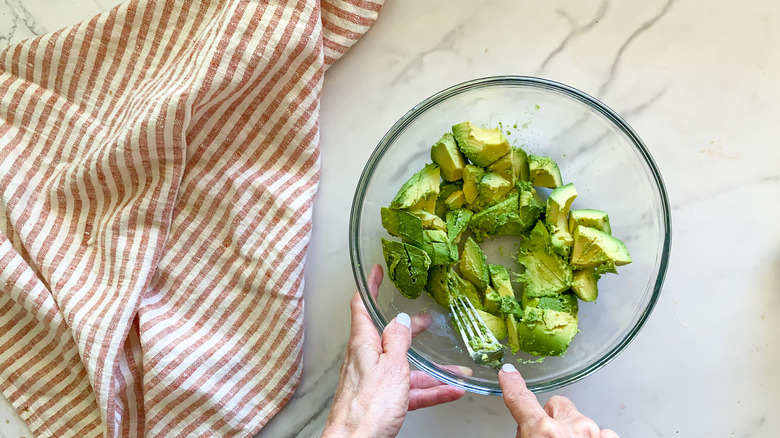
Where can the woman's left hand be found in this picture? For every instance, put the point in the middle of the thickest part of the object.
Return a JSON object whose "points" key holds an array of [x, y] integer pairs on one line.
{"points": [[376, 387]]}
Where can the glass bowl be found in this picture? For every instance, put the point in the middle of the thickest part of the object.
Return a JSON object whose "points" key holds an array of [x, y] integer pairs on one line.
{"points": [[595, 149]]}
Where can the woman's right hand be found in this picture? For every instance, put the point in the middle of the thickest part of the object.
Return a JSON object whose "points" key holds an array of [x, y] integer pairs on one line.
{"points": [[558, 419]]}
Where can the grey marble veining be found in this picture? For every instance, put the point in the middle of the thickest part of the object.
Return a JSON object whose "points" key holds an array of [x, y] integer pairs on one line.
{"points": [[697, 80]]}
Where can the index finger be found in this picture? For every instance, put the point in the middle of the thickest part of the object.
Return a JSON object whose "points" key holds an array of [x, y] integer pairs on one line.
{"points": [[522, 403]]}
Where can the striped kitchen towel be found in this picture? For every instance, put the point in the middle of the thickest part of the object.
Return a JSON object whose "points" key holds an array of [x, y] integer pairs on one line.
{"points": [[159, 163]]}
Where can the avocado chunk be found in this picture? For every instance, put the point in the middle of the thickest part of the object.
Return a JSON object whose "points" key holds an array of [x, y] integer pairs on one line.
{"points": [[438, 285], [480, 145], [460, 287], [510, 306], [558, 205], [446, 189], [445, 153], [546, 273], [494, 323], [520, 158], [593, 248], [589, 218], [472, 175], [565, 302], [499, 279], [456, 200], [505, 218], [512, 167], [430, 221], [420, 191], [583, 284], [439, 248], [457, 221], [546, 332], [402, 224], [492, 187], [444, 285], [530, 205], [505, 168], [473, 265], [513, 341], [407, 267], [502, 218], [492, 301], [544, 172]]}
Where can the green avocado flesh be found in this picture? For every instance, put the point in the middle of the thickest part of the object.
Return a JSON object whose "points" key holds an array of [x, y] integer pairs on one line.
{"points": [[546, 273], [407, 267], [479, 187]]}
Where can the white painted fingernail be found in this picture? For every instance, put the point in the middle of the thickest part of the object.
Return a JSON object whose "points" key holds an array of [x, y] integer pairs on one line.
{"points": [[508, 368], [404, 320]]}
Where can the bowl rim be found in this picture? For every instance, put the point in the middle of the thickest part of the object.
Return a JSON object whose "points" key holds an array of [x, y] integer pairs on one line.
{"points": [[379, 321]]}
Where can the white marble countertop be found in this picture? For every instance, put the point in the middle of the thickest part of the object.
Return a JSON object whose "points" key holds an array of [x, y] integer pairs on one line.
{"points": [[699, 80]]}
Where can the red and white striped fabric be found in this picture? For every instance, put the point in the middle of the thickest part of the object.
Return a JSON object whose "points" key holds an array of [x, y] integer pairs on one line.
{"points": [[158, 165]]}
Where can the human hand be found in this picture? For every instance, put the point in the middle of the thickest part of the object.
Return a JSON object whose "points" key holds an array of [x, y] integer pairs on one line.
{"points": [[559, 418], [376, 387]]}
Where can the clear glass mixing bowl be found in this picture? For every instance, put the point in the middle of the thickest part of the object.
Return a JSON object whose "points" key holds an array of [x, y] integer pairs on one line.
{"points": [[595, 149]]}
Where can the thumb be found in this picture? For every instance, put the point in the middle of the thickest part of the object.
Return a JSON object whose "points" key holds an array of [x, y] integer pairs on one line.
{"points": [[397, 337], [522, 403]]}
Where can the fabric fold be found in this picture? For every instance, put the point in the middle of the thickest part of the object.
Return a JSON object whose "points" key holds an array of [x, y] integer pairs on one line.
{"points": [[158, 167]]}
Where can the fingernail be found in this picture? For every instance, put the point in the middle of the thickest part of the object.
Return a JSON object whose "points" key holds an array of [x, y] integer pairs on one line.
{"points": [[508, 368], [404, 320]]}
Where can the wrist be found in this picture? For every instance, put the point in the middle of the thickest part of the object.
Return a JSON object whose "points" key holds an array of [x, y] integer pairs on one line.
{"points": [[348, 420]]}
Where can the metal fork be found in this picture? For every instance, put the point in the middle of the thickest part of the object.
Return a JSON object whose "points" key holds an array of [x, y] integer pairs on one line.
{"points": [[482, 345]]}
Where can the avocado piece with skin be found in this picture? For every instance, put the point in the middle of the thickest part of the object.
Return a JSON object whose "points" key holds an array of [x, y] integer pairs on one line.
{"points": [[402, 224], [457, 221], [495, 324], [446, 189], [544, 172], [558, 205], [446, 155], [482, 146], [473, 265], [589, 218], [593, 248], [472, 175], [420, 191], [407, 267], [546, 332], [584, 284], [546, 273], [499, 279], [439, 248]]}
